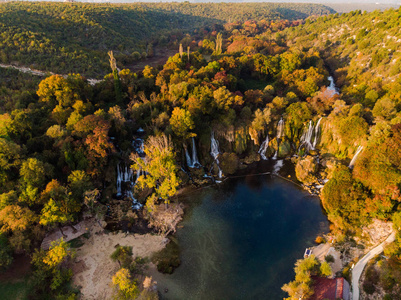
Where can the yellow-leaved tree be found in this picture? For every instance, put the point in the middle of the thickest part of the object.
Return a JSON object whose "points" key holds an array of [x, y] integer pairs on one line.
{"points": [[124, 285], [160, 168]]}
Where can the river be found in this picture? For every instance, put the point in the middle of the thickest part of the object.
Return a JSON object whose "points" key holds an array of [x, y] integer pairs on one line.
{"points": [[240, 239]]}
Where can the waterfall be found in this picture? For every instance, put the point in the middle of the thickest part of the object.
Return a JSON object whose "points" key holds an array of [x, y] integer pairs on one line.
{"points": [[280, 128], [125, 175], [280, 133], [195, 161], [359, 150], [119, 180], [278, 165], [214, 151], [192, 161], [263, 148], [332, 88], [317, 134], [138, 146], [187, 157], [306, 138], [214, 147]]}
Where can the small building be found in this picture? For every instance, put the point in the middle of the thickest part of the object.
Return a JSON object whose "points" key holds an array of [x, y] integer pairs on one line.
{"points": [[331, 289]]}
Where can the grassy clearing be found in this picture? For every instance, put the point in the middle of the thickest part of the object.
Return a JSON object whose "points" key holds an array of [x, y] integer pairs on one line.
{"points": [[252, 84], [14, 290]]}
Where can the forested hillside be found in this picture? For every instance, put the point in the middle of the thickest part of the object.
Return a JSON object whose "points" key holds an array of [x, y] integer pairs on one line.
{"points": [[75, 37], [259, 88]]}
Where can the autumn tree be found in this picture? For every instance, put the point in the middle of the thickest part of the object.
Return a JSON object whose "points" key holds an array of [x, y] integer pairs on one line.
{"points": [[301, 288], [125, 287], [16, 218], [297, 115], [344, 198], [259, 124], [50, 275], [160, 168], [181, 122], [94, 130], [60, 207]]}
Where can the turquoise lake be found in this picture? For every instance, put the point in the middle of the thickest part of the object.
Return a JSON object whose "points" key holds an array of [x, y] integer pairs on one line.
{"points": [[241, 238]]}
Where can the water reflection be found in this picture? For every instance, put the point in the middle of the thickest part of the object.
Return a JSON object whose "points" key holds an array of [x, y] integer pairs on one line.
{"points": [[243, 238]]}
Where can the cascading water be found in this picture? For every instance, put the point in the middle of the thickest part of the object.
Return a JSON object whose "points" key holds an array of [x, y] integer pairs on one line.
{"points": [[306, 138], [317, 134], [358, 151], [192, 161], [187, 157], [138, 146], [125, 175], [263, 148], [195, 161], [214, 151], [119, 180], [280, 133], [332, 88]]}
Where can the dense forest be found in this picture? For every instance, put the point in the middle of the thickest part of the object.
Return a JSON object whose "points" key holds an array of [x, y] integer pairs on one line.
{"points": [[258, 87], [75, 37]]}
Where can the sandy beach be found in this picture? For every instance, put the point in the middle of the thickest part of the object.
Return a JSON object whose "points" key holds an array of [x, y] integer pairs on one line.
{"points": [[93, 267]]}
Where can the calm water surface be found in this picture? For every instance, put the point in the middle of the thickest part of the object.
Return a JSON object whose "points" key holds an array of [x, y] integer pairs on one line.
{"points": [[242, 238]]}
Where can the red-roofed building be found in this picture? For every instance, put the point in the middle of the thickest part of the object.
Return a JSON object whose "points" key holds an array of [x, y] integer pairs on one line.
{"points": [[331, 289]]}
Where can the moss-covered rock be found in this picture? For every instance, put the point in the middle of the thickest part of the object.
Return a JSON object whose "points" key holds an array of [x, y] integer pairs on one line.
{"points": [[306, 169], [252, 157], [284, 149], [330, 164], [229, 163]]}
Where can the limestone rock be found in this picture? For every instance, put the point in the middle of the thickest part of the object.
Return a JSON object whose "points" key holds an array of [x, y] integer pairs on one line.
{"points": [[306, 169]]}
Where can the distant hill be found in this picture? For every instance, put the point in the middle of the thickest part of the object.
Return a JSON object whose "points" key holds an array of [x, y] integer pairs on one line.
{"points": [[75, 37], [369, 7], [362, 50]]}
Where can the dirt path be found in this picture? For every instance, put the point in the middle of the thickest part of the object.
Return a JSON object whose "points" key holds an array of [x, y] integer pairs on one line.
{"points": [[27, 70], [360, 265]]}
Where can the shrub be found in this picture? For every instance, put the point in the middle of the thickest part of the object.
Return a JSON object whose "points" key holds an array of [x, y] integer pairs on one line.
{"points": [[329, 258], [320, 240]]}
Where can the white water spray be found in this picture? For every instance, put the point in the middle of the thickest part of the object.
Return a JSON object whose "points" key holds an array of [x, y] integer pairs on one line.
{"points": [[332, 88], [306, 138], [214, 151], [280, 133], [358, 151], [195, 160], [317, 134], [263, 148]]}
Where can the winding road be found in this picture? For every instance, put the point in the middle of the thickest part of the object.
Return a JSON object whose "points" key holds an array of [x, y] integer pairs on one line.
{"points": [[360, 265], [27, 70]]}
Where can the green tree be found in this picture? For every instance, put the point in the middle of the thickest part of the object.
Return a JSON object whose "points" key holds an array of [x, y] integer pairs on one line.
{"points": [[325, 269], [297, 115], [122, 254], [33, 172], [6, 257], [301, 288]]}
